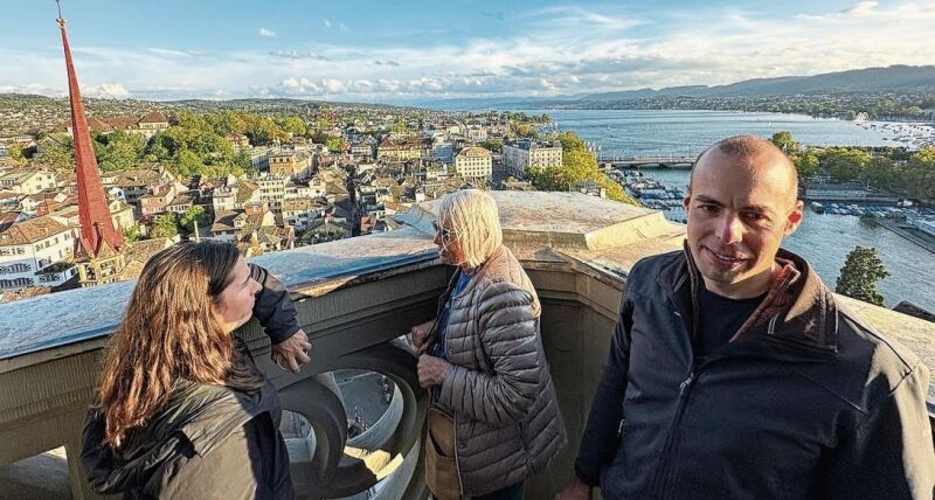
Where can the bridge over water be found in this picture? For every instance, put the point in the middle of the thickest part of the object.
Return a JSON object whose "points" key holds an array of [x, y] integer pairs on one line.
{"points": [[648, 161]]}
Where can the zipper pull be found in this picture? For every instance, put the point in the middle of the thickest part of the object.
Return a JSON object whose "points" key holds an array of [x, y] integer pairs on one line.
{"points": [[685, 383]]}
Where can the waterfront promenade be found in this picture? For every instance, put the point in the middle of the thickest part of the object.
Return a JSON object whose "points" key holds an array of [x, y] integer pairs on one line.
{"points": [[911, 234]]}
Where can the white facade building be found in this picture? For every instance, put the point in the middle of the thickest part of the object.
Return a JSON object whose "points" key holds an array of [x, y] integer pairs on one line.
{"points": [[477, 134], [272, 191], [525, 153], [33, 252], [28, 182], [474, 162]]}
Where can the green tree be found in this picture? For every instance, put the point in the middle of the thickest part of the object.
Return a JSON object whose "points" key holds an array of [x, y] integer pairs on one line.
{"points": [[166, 144], [784, 141], [226, 122], [56, 154], [916, 177], [16, 153], [845, 164], [187, 164], [578, 165], [335, 144], [523, 129], [263, 131], [493, 144], [806, 164], [862, 269], [879, 172], [294, 125], [194, 214], [119, 151], [132, 233], [164, 226], [400, 126]]}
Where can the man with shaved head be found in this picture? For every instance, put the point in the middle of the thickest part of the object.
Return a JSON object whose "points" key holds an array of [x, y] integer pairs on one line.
{"points": [[734, 372]]}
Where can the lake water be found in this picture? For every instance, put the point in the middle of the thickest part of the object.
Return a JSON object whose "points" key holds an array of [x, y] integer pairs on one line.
{"points": [[636, 133], [825, 239]]}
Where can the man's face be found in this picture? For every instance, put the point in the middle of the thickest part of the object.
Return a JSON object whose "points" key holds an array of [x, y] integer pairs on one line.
{"points": [[738, 213]]}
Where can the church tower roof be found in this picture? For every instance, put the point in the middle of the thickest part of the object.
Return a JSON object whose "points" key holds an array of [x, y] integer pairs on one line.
{"points": [[97, 227]]}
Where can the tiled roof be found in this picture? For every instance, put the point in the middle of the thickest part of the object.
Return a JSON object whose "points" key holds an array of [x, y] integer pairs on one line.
{"points": [[31, 231], [474, 151], [7, 219], [137, 177], [98, 125], [141, 251], [224, 220], [123, 122], [154, 117], [245, 191], [182, 200], [297, 204]]}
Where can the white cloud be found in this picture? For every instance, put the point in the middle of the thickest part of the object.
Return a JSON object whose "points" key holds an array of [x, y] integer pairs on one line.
{"points": [[294, 54], [327, 23], [33, 88], [861, 8], [107, 90], [332, 85], [299, 86], [168, 52], [561, 50], [265, 33]]}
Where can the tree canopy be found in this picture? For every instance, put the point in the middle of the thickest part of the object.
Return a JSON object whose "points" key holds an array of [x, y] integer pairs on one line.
{"points": [[911, 174], [862, 269], [195, 214], [164, 226], [578, 165]]}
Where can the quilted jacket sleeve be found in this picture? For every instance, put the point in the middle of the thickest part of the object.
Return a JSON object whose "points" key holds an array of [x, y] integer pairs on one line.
{"points": [[508, 326]]}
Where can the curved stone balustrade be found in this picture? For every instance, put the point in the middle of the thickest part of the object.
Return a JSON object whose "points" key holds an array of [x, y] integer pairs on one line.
{"points": [[354, 299], [340, 468]]}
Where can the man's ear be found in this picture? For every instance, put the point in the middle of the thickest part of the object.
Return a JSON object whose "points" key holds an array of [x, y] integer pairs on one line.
{"points": [[795, 218]]}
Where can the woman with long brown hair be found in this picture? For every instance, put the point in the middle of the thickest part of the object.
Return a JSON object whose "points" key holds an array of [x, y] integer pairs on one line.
{"points": [[182, 412]]}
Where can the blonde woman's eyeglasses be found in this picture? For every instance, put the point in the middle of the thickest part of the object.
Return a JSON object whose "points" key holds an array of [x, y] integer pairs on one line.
{"points": [[446, 234]]}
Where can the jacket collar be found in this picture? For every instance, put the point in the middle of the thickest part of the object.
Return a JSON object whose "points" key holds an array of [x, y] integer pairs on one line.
{"points": [[798, 307]]}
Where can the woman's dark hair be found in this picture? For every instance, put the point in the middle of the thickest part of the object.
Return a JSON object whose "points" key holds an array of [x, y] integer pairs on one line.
{"points": [[169, 333]]}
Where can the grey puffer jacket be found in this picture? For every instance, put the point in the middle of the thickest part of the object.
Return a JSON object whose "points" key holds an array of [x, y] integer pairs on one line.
{"points": [[499, 388]]}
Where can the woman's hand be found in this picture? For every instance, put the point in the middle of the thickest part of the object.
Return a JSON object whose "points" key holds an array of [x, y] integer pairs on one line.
{"points": [[432, 370], [292, 353], [420, 332], [577, 490]]}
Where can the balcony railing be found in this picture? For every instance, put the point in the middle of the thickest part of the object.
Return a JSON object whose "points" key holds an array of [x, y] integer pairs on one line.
{"points": [[356, 298]]}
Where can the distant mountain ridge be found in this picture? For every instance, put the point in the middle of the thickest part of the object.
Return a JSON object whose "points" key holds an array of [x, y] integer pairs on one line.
{"points": [[892, 78], [897, 78]]}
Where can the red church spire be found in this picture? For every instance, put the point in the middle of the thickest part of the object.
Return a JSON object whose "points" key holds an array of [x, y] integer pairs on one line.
{"points": [[97, 228]]}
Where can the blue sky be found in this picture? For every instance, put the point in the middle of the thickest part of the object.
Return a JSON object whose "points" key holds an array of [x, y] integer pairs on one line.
{"points": [[383, 51]]}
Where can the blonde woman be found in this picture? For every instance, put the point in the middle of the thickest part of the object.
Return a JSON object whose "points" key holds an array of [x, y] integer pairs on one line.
{"points": [[482, 357], [182, 411]]}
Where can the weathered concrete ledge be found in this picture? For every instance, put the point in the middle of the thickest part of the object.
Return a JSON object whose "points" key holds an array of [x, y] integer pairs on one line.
{"points": [[29, 328]]}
